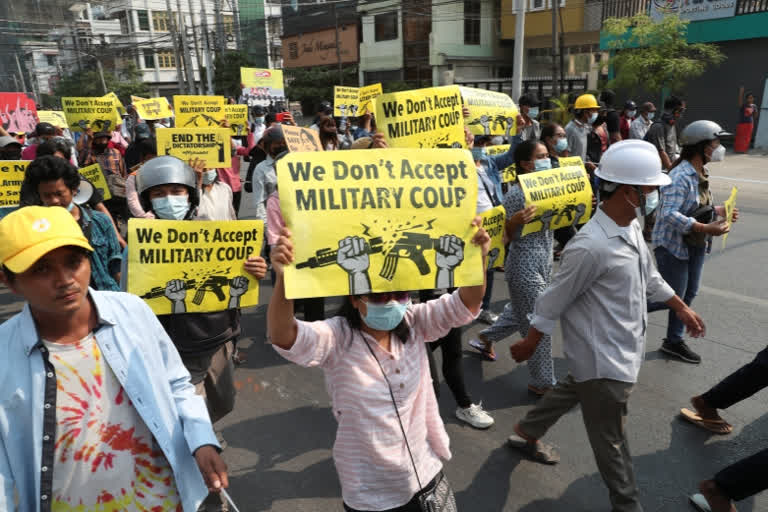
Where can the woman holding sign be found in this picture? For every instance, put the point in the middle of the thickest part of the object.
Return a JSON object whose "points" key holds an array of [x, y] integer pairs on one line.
{"points": [[375, 360], [527, 270]]}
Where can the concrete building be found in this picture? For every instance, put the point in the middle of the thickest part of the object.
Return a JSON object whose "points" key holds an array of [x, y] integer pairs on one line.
{"points": [[261, 25], [41, 62]]}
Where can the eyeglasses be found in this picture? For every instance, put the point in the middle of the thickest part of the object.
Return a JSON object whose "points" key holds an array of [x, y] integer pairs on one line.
{"points": [[383, 298]]}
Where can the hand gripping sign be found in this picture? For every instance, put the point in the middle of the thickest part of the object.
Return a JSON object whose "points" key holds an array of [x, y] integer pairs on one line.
{"points": [[490, 112], [379, 220], [563, 198], [493, 223], [98, 114], [213, 145]]}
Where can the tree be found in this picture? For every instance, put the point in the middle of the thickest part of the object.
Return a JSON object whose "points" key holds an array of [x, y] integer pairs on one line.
{"points": [[226, 77], [88, 83], [310, 86], [655, 55]]}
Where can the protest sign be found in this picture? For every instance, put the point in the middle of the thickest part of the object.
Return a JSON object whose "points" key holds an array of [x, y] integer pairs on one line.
{"points": [[134, 99], [262, 83], [193, 266], [367, 95], [116, 102], [490, 112], [237, 115], [379, 220], [563, 198], [199, 111], [568, 161], [153, 108], [100, 114], [493, 222], [355, 101], [54, 117], [298, 139], [95, 175], [18, 112], [730, 204], [213, 145], [422, 118], [508, 175], [11, 177]]}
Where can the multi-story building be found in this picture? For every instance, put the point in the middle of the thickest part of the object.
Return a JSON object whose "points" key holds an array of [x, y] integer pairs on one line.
{"points": [[261, 26]]}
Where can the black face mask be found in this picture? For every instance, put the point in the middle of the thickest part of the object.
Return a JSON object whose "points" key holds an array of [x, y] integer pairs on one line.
{"points": [[11, 154], [99, 148], [277, 150]]}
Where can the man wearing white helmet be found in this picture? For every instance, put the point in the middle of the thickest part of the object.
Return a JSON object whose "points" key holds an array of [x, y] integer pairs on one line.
{"points": [[599, 293]]}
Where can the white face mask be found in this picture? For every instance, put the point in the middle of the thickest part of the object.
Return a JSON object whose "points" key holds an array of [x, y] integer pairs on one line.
{"points": [[209, 176], [592, 117], [718, 155], [631, 113]]}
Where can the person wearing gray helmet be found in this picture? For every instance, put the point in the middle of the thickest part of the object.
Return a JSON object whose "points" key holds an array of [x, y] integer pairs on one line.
{"points": [[686, 223]]}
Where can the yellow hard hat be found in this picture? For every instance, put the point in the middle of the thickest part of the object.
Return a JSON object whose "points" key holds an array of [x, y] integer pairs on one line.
{"points": [[586, 101]]}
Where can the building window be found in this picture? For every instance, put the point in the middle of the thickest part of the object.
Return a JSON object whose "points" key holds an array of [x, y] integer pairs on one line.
{"points": [[385, 26], [149, 59], [143, 16], [536, 5], [472, 21], [125, 22], [165, 60], [229, 24], [160, 21], [51, 60], [293, 50]]}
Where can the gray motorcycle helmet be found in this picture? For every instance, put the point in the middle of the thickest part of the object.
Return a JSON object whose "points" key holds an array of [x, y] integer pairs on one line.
{"points": [[700, 131], [163, 170]]}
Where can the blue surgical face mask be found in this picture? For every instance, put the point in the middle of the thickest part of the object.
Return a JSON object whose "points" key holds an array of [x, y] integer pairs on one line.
{"points": [[71, 206], [533, 112], [258, 120], [593, 117], [209, 176], [478, 154], [561, 145], [384, 317], [542, 164], [171, 207], [651, 115], [631, 113], [651, 202]]}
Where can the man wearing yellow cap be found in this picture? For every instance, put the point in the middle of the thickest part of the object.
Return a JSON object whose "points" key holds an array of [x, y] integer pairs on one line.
{"points": [[585, 110], [95, 412]]}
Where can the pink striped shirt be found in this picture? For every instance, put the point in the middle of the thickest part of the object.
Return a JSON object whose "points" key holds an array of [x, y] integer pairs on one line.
{"points": [[370, 454]]}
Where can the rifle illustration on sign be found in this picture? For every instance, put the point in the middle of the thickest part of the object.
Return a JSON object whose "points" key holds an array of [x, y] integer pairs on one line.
{"points": [[176, 291]]}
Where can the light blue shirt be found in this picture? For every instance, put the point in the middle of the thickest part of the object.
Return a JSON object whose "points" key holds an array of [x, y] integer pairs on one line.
{"points": [[144, 361]]}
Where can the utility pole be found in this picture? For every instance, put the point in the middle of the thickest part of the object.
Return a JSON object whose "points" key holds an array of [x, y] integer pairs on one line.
{"points": [[206, 41], [555, 49], [198, 53], [221, 43], [185, 48], [517, 73], [21, 74], [338, 49], [174, 39], [76, 44], [101, 74], [16, 82]]}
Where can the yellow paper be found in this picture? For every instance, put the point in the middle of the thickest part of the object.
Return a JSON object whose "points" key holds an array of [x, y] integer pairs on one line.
{"points": [[213, 145], [55, 117], [355, 101], [508, 175], [193, 266], [263, 82], [237, 115], [199, 111], [116, 102], [422, 118], [134, 99], [300, 139], [490, 113], [153, 108], [367, 96], [563, 198], [493, 222], [100, 114], [730, 204], [407, 212], [11, 177], [568, 161], [95, 175]]}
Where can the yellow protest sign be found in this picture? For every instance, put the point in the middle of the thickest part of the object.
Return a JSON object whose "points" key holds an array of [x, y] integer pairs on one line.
{"points": [[153, 108], [299, 139], [355, 101], [490, 112], [262, 83], [116, 102], [367, 95], [11, 177], [563, 198], [730, 204], [568, 161], [493, 223], [55, 117], [134, 99], [508, 175], [199, 111], [379, 220], [237, 115], [100, 114], [422, 118], [213, 145], [95, 175], [193, 266]]}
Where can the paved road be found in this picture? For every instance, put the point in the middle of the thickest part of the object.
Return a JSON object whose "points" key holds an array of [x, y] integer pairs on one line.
{"points": [[281, 432]]}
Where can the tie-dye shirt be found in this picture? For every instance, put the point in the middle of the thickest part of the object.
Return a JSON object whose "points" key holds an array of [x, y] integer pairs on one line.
{"points": [[105, 457]]}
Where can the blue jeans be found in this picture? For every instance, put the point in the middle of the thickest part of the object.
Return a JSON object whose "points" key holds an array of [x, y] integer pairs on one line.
{"points": [[684, 276]]}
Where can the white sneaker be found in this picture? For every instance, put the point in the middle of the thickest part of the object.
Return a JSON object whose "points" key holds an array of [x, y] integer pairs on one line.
{"points": [[487, 317], [475, 416]]}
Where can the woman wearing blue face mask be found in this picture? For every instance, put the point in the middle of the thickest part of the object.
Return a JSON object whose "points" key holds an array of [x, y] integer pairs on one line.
{"points": [[374, 357], [527, 270]]}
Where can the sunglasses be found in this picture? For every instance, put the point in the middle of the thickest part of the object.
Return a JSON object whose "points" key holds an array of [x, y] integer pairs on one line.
{"points": [[383, 298]]}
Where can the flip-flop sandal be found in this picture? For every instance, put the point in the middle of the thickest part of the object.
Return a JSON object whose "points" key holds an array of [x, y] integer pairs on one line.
{"points": [[539, 452], [480, 347], [719, 426], [700, 503]]}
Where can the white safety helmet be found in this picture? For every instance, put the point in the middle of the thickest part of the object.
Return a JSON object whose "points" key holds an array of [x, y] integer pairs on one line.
{"points": [[700, 131], [632, 162]]}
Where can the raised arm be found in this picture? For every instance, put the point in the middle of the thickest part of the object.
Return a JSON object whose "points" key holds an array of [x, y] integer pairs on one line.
{"points": [[281, 324], [472, 296]]}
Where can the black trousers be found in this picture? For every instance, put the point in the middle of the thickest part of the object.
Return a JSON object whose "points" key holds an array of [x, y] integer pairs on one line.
{"points": [[236, 197], [745, 478], [453, 371], [741, 384]]}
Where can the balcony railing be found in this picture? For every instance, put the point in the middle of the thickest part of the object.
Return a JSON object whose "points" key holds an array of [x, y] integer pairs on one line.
{"points": [[626, 8], [751, 6]]}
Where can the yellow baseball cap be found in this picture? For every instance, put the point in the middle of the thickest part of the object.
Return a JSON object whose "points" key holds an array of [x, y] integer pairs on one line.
{"points": [[31, 232]]}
